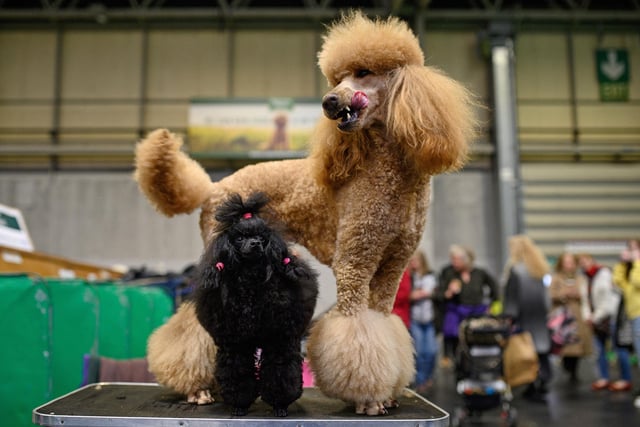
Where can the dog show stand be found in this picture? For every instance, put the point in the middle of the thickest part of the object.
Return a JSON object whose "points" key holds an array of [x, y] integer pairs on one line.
{"points": [[138, 404]]}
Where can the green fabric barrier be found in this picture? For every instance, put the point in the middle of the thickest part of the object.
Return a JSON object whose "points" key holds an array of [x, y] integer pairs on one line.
{"points": [[163, 309], [25, 357], [150, 307], [48, 326], [114, 321], [75, 315]]}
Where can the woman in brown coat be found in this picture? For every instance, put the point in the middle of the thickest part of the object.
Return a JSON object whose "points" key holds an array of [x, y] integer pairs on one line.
{"points": [[569, 288]]}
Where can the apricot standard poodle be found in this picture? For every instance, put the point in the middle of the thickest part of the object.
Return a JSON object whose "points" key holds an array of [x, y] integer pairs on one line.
{"points": [[358, 202]]}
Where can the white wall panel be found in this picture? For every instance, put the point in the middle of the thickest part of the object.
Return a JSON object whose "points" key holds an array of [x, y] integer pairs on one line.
{"points": [[544, 116], [609, 115], [274, 63], [167, 115], [27, 64], [458, 55], [25, 116], [100, 116], [101, 64], [541, 66], [186, 64]]}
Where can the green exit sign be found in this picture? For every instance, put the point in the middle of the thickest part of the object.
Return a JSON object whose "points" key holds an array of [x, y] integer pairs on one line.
{"points": [[612, 68]]}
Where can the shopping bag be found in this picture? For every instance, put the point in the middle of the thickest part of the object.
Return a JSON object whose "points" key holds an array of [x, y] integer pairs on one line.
{"points": [[563, 327], [624, 330], [520, 360]]}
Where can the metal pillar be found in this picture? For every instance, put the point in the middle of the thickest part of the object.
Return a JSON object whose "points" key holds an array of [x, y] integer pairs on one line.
{"points": [[507, 165]]}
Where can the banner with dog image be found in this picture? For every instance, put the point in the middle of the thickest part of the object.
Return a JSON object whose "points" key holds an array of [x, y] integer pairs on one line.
{"points": [[233, 127]]}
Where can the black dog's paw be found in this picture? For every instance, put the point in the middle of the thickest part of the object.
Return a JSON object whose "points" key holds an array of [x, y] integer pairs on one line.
{"points": [[239, 412], [280, 412]]}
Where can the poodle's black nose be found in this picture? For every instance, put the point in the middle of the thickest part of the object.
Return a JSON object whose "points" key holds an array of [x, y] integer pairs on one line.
{"points": [[255, 242], [330, 104]]}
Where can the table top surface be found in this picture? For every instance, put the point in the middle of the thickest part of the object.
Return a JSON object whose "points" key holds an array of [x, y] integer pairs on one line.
{"points": [[137, 404]]}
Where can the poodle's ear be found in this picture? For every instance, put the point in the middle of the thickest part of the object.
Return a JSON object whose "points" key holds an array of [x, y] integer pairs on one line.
{"points": [[208, 277], [276, 249], [432, 116], [213, 261]]}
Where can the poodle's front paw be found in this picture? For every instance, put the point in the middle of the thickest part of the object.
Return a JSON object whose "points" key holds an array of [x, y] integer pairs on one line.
{"points": [[391, 403], [371, 408], [239, 412], [200, 397], [280, 412]]}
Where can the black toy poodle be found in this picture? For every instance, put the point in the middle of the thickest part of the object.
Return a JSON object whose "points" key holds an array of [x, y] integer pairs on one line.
{"points": [[256, 299]]}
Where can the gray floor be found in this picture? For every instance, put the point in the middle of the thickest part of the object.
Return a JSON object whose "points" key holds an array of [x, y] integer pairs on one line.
{"points": [[568, 404]]}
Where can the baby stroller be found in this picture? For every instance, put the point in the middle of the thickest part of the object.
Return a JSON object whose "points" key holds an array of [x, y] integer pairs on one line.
{"points": [[479, 370]]}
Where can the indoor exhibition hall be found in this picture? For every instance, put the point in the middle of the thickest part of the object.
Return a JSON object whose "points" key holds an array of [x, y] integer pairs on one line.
{"points": [[317, 213]]}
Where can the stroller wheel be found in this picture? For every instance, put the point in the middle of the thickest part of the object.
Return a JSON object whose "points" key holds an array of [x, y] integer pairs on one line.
{"points": [[458, 417], [509, 417]]}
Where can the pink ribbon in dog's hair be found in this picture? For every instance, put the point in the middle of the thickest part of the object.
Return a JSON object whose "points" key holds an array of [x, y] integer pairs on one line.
{"points": [[220, 266], [247, 215]]}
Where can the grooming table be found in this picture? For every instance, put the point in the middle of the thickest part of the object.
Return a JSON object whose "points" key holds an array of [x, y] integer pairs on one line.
{"points": [[136, 404]]}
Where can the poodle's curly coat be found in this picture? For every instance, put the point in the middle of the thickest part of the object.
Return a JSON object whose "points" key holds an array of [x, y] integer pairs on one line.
{"points": [[358, 202]]}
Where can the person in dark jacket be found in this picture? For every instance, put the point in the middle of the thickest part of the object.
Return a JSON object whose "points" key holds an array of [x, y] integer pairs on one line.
{"points": [[463, 290], [527, 303]]}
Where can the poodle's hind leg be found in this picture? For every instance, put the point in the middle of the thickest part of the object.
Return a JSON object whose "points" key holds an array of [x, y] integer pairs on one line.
{"points": [[200, 397], [236, 376], [361, 358], [281, 376], [181, 355]]}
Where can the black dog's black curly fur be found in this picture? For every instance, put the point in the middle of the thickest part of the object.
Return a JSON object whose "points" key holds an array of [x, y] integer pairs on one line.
{"points": [[253, 293]]}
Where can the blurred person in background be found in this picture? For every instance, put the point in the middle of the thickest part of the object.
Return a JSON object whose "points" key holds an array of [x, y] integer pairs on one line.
{"points": [[526, 302], [402, 304], [604, 301], [422, 320], [626, 275], [464, 290], [569, 289]]}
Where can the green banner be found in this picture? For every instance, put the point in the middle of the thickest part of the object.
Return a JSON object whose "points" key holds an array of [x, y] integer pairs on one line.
{"points": [[612, 68]]}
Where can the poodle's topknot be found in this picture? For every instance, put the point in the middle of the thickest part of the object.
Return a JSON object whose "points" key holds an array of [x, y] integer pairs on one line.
{"points": [[357, 42], [235, 209]]}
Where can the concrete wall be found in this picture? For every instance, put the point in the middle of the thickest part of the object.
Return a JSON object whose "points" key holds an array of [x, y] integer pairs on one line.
{"points": [[103, 218]]}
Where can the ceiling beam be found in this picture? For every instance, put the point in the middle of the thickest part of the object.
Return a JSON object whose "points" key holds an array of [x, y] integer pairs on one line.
{"points": [[276, 15]]}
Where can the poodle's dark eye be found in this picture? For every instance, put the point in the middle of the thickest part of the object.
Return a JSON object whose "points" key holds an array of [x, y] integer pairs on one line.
{"points": [[239, 239], [363, 73]]}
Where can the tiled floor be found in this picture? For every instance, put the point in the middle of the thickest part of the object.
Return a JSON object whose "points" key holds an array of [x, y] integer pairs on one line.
{"points": [[568, 405]]}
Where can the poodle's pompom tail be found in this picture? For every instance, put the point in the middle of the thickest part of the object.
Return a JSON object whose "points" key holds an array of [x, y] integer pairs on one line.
{"points": [[433, 117], [173, 182]]}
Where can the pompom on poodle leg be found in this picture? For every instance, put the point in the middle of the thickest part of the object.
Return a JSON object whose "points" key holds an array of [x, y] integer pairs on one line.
{"points": [[365, 358]]}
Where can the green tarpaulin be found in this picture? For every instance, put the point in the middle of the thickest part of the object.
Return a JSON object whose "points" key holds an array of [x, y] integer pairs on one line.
{"points": [[47, 326]]}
